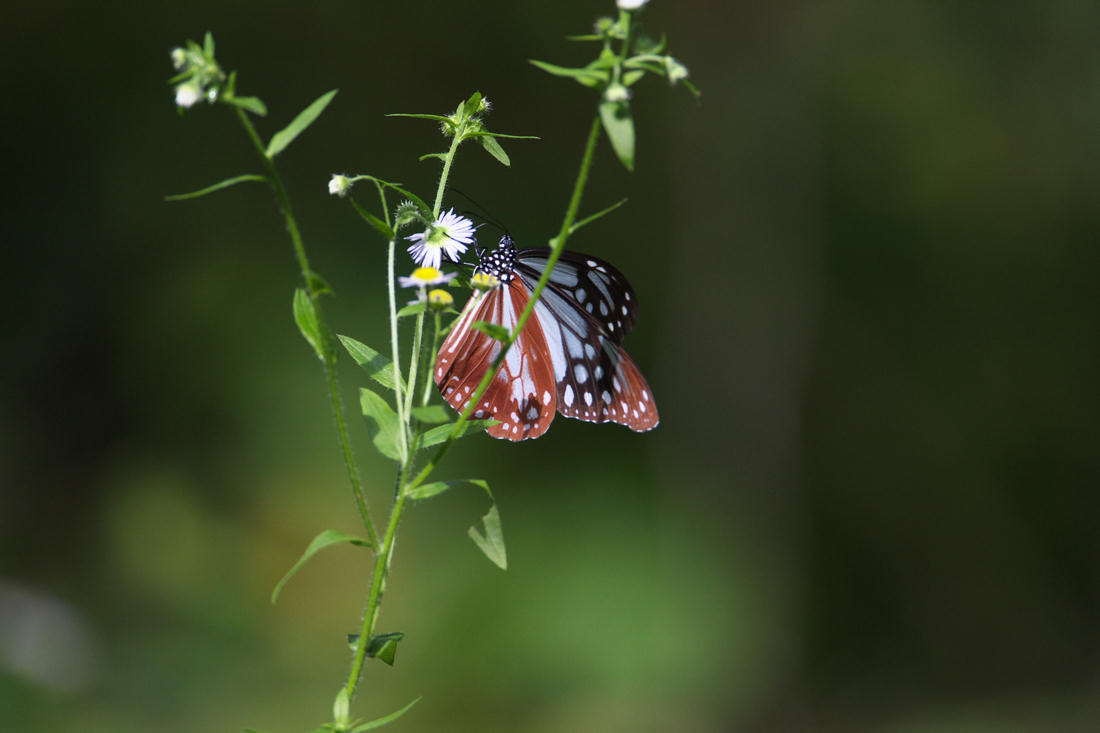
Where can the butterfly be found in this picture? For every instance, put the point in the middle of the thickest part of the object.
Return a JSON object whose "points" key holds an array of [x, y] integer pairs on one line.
{"points": [[569, 357]]}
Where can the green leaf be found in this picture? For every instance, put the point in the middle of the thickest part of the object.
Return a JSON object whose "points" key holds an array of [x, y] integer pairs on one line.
{"points": [[317, 284], [597, 215], [426, 156], [305, 118], [379, 722], [630, 78], [491, 541], [619, 125], [431, 414], [437, 435], [497, 331], [217, 187], [325, 539], [377, 367], [412, 310], [587, 77], [484, 133], [253, 104], [384, 646], [473, 104], [208, 45], [493, 147], [380, 226], [305, 315], [382, 424], [438, 118]]}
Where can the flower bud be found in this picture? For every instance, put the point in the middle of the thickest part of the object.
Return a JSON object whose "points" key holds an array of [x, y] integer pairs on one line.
{"points": [[440, 299], [188, 94], [339, 185]]}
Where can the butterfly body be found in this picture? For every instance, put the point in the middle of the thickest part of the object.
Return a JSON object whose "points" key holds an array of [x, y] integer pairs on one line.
{"points": [[568, 358]]}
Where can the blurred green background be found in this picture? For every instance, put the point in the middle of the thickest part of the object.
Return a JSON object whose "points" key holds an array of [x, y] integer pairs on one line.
{"points": [[867, 265]]}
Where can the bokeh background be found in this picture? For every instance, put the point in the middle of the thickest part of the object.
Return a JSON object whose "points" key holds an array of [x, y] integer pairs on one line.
{"points": [[867, 264]]}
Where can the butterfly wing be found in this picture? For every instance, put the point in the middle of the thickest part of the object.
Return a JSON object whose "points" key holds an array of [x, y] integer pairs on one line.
{"points": [[596, 286], [584, 312], [523, 394]]}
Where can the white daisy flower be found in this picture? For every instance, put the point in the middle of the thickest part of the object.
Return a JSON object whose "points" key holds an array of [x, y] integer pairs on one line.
{"points": [[630, 4], [449, 235], [425, 276]]}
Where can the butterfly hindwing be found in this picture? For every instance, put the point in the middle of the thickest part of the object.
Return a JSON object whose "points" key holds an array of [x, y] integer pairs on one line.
{"points": [[523, 393], [596, 379]]}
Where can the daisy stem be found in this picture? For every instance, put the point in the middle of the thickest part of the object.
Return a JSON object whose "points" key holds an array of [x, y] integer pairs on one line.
{"points": [[558, 244], [328, 359], [394, 348], [415, 361], [431, 360]]}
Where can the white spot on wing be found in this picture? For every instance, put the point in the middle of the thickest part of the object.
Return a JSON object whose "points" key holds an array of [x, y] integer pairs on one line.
{"points": [[567, 396], [588, 398], [580, 372]]}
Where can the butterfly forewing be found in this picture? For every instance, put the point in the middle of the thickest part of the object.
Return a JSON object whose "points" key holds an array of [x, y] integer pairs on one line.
{"points": [[596, 287], [523, 393]]}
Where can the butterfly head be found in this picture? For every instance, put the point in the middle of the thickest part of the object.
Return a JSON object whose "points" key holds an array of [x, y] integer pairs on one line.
{"points": [[501, 262]]}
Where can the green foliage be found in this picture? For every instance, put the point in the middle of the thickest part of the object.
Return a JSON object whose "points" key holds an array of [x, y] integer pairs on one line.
{"points": [[382, 424], [377, 367], [218, 186], [305, 315], [284, 137], [619, 125], [328, 538], [490, 537]]}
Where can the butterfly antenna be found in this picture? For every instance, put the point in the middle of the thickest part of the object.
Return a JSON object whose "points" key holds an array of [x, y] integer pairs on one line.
{"points": [[481, 212]]}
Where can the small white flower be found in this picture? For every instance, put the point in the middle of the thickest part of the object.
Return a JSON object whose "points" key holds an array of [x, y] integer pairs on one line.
{"points": [[188, 94], [339, 185], [449, 235], [616, 93], [179, 57], [425, 276], [630, 4]]}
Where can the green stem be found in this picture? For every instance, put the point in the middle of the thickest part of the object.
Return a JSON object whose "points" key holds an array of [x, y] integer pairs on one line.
{"points": [[558, 245], [396, 355], [430, 379], [329, 360], [455, 142], [418, 337], [377, 589]]}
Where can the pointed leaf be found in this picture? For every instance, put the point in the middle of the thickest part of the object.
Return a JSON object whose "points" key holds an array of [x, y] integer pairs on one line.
{"points": [[253, 104], [412, 310], [384, 646], [597, 215], [493, 147], [473, 103], [325, 539], [380, 226], [438, 118], [619, 125], [217, 187], [305, 118], [435, 436], [492, 541], [377, 367], [426, 156], [382, 424], [431, 414], [379, 722], [317, 284], [305, 315], [587, 77], [497, 331], [208, 45]]}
